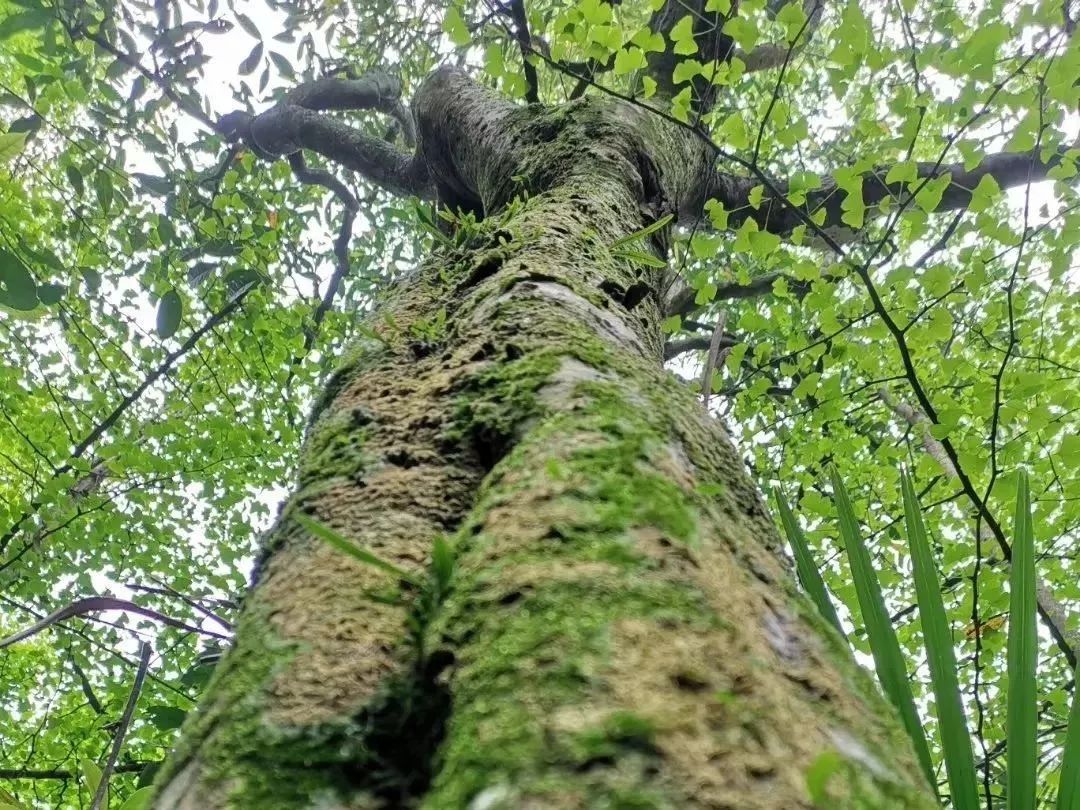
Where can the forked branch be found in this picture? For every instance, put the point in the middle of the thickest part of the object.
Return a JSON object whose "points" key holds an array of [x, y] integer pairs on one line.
{"points": [[298, 123]]}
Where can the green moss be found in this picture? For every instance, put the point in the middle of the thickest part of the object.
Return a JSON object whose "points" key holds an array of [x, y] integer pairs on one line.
{"points": [[619, 732], [228, 731], [521, 665], [335, 447], [360, 355], [495, 403], [621, 488], [385, 751]]}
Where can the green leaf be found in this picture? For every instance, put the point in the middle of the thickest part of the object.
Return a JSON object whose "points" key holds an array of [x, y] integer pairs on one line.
{"points": [[49, 294], [166, 718], [888, 659], [793, 18], [103, 189], [442, 563], [75, 177], [671, 324], [805, 566], [248, 25], [649, 41], [283, 65], [648, 230], [24, 21], [92, 278], [937, 638], [11, 146], [238, 279], [455, 28], [744, 31], [360, 554], [169, 311], [91, 774], [984, 194], [628, 60], [717, 214], [929, 196], [905, 171], [139, 800], [686, 70], [17, 287], [252, 60], [682, 36], [1022, 658], [819, 773], [638, 257], [733, 132], [1069, 781]]}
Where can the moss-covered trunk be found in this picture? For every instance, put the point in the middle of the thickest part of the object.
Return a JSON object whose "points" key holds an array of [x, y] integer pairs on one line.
{"points": [[619, 628]]}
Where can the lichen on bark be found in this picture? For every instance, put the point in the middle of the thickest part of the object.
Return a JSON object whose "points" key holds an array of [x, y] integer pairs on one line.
{"points": [[620, 629]]}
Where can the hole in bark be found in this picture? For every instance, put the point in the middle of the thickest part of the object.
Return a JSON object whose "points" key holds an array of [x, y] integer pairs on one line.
{"points": [[635, 294], [438, 662], [484, 352], [611, 289], [361, 416], [487, 268], [490, 446], [513, 352], [605, 761], [510, 598], [689, 682], [401, 734], [421, 349], [402, 458]]}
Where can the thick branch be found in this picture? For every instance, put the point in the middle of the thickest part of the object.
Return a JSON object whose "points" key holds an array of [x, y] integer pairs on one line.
{"points": [[682, 302], [712, 45], [777, 216], [524, 40], [373, 91], [288, 128], [695, 344], [773, 54]]}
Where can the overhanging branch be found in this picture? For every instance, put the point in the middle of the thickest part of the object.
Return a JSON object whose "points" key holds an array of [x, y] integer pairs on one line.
{"points": [[773, 54], [298, 123], [777, 215]]}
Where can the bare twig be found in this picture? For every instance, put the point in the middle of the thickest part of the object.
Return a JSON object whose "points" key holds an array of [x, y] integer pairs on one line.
{"points": [[121, 732], [713, 358], [161, 83]]}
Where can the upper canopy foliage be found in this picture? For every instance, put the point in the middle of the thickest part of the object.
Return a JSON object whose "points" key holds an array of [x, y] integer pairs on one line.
{"points": [[170, 300]]}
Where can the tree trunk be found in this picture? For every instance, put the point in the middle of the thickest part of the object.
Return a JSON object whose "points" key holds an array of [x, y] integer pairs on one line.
{"points": [[620, 628]]}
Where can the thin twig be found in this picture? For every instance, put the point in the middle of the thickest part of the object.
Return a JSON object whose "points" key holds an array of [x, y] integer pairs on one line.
{"points": [[125, 722]]}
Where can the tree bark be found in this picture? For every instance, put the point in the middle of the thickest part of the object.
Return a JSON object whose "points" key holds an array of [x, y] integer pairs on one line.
{"points": [[620, 628]]}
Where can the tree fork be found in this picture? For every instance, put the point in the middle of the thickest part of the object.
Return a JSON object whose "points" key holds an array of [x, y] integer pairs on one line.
{"points": [[620, 628]]}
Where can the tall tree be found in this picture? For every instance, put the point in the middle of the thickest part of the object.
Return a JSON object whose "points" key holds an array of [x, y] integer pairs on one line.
{"points": [[521, 565]]}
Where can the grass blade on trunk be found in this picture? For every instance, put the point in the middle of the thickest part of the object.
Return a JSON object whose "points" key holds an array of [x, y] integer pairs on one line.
{"points": [[941, 656], [1022, 652], [888, 659], [805, 565]]}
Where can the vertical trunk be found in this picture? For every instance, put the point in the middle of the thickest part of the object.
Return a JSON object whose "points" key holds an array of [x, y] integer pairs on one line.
{"points": [[619, 629]]}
